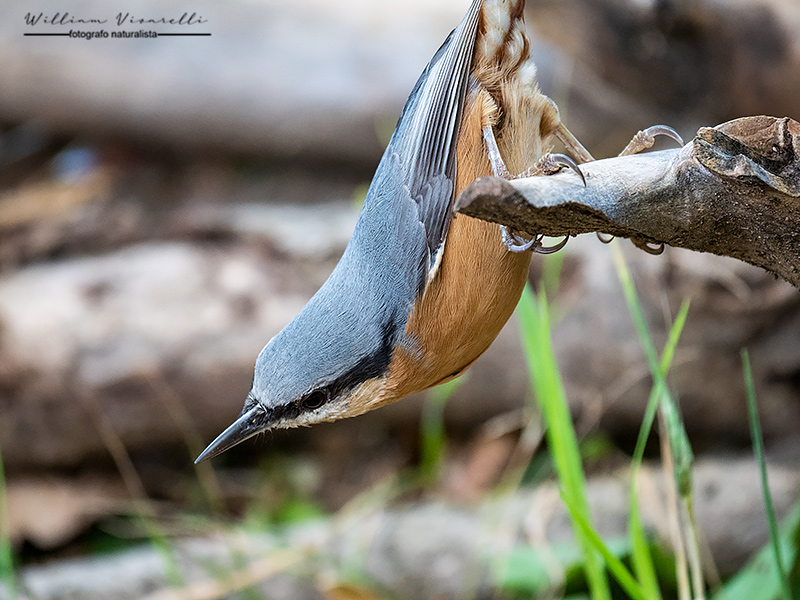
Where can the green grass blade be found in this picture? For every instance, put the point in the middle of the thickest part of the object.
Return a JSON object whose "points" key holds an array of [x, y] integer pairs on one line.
{"points": [[615, 565], [660, 396], [6, 551], [677, 434], [432, 434], [673, 337], [641, 556], [758, 450], [681, 449], [655, 393], [679, 441], [642, 559], [561, 436]]}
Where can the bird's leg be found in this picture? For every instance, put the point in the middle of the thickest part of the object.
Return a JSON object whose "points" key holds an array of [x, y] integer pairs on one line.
{"points": [[572, 144], [642, 140], [513, 240], [548, 165], [495, 159]]}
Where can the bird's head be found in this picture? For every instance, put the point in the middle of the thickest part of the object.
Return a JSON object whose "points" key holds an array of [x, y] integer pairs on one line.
{"points": [[323, 366]]}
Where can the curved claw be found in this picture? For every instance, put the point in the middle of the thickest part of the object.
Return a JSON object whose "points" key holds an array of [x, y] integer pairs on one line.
{"points": [[515, 242], [664, 130], [551, 249], [564, 160], [646, 138], [655, 250], [604, 240]]}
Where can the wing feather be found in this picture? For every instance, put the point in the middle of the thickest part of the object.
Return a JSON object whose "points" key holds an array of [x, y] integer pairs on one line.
{"points": [[426, 134]]}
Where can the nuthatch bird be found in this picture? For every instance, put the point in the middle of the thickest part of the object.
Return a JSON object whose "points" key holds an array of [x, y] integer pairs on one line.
{"points": [[418, 294]]}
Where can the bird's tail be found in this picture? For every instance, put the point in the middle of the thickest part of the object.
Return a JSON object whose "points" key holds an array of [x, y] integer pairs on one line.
{"points": [[502, 46], [522, 116]]}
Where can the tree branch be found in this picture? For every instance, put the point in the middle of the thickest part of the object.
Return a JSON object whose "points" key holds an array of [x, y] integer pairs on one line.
{"points": [[734, 190]]}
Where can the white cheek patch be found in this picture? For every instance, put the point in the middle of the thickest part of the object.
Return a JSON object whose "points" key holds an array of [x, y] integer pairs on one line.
{"points": [[333, 410]]}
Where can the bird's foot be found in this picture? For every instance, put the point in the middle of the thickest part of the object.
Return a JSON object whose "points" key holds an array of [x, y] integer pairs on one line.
{"points": [[654, 249], [550, 164], [516, 242], [645, 139]]}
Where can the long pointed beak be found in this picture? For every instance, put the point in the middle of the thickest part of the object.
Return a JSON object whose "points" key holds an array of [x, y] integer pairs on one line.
{"points": [[246, 426]]}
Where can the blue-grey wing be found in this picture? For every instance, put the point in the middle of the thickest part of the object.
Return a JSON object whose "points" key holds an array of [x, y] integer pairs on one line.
{"points": [[420, 159], [349, 329]]}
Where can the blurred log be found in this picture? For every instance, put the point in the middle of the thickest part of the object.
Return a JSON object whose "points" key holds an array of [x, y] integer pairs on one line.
{"points": [[239, 89], [325, 81], [700, 61], [306, 81], [303, 80], [431, 550]]}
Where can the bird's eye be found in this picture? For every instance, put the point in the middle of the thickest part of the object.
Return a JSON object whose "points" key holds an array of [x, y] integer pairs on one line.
{"points": [[315, 399]]}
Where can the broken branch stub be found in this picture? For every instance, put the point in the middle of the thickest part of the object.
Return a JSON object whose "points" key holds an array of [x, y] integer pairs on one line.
{"points": [[734, 190]]}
